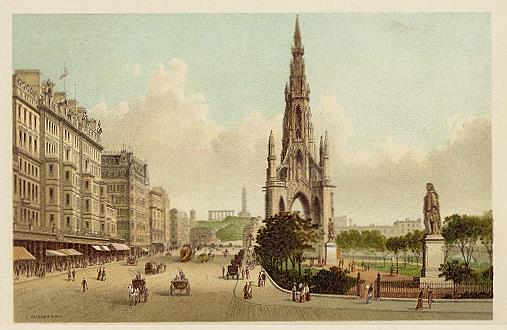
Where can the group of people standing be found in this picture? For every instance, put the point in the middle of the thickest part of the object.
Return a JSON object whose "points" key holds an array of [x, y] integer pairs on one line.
{"points": [[420, 298], [71, 274], [101, 274], [300, 293], [247, 290]]}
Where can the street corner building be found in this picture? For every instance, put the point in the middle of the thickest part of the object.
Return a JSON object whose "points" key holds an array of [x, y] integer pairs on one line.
{"points": [[302, 173], [70, 199]]}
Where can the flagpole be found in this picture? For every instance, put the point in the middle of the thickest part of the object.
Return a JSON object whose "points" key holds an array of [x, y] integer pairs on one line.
{"points": [[64, 70]]}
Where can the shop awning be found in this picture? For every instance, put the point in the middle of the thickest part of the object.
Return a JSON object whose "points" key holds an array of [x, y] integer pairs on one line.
{"points": [[96, 247], [70, 252], [54, 253], [105, 248], [20, 253], [120, 247]]}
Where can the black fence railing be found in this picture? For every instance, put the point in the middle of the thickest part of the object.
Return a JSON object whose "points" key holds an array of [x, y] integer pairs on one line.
{"points": [[445, 290]]}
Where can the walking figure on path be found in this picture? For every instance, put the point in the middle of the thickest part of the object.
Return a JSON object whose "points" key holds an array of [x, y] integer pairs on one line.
{"points": [[84, 284], [430, 297], [419, 301], [73, 274]]}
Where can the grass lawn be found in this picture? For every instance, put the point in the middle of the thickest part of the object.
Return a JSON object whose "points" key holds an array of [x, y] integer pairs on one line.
{"points": [[410, 270]]}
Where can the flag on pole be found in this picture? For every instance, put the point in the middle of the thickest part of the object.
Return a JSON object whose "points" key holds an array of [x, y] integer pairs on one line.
{"points": [[65, 73]]}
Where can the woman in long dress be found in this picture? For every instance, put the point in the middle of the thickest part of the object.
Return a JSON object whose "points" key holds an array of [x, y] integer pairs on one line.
{"points": [[294, 292], [419, 301], [369, 296]]}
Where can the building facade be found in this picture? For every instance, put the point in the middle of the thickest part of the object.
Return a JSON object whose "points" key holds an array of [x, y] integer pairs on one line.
{"points": [[302, 174], [179, 228], [219, 215], [398, 228], [202, 235], [158, 213], [127, 186], [56, 170]]}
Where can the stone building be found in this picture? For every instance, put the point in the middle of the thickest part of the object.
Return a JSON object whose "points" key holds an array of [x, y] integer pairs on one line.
{"points": [[219, 215], [179, 228], [158, 213], [127, 186], [303, 172], [57, 188], [202, 235], [398, 228]]}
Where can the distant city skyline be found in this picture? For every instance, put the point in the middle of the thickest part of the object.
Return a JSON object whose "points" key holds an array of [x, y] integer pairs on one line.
{"points": [[405, 97]]}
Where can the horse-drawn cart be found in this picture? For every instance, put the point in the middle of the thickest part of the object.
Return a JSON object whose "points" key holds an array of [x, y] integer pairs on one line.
{"points": [[137, 291], [132, 260], [181, 286], [232, 270], [153, 268]]}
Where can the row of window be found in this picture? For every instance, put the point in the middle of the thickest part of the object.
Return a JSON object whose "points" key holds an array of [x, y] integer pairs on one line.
{"points": [[29, 216], [51, 127], [116, 187], [27, 142], [26, 189], [26, 117], [51, 148], [25, 167]]}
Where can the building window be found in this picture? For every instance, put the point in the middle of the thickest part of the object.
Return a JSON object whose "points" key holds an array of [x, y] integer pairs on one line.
{"points": [[86, 185], [87, 205], [67, 176], [68, 221], [67, 199], [50, 170], [52, 220], [51, 195]]}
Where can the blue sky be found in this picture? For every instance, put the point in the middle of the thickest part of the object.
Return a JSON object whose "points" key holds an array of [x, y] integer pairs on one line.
{"points": [[406, 98], [393, 73]]}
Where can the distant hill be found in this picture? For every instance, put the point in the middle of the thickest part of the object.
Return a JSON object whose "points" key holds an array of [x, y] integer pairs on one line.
{"points": [[229, 229]]}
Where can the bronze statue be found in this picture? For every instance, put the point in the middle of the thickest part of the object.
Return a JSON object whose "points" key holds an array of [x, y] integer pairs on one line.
{"points": [[431, 211], [330, 230]]}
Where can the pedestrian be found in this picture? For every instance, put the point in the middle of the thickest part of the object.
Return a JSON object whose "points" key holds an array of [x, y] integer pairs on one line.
{"points": [[223, 271], [84, 284], [103, 275], [73, 274], [242, 273], [247, 273], [419, 301], [263, 278], [294, 292], [430, 297], [250, 290], [69, 274], [245, 291], [369, 295], [145, 294], [358, 285], [307, 292], [99, 273], [301, 293]]}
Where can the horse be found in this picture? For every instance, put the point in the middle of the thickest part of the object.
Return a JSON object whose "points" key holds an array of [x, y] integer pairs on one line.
{"points": [[134, 296]]}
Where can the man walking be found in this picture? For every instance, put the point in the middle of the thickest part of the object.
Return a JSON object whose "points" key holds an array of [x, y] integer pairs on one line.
{"points": [[73, 274], [84, 284]]}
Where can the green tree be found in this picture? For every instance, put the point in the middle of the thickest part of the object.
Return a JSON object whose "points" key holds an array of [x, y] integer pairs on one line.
{"points": [[456, 271], [486, 233], [414, 243], [462, 231], [396, 245]]}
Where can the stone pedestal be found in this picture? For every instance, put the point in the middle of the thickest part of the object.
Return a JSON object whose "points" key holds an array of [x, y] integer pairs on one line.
{"points": [[331, 254], [433, 257]]}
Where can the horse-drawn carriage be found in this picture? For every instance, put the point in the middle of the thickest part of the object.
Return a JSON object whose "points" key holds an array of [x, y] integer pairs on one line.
{"points": [[153, 268], [181, 286], [232, 270], [203, 257], [132, 260], [137, 291]]}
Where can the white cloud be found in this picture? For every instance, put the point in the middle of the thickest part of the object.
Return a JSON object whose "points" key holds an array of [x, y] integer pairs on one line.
{"points": [[203, 165]]}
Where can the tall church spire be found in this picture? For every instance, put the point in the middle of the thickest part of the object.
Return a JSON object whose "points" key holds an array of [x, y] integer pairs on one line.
{"points": [[297, 34]]}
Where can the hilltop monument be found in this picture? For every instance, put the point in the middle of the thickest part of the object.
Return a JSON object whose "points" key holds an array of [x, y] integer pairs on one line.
{"points": [[244, 213], [303, 174]]}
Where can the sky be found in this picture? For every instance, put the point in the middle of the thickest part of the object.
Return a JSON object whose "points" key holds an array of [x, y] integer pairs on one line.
{"points": [[405, 98]]}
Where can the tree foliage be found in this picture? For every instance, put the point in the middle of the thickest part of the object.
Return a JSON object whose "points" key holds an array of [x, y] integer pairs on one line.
{"points": [[486, 233], [285, 237], [463, 231]]}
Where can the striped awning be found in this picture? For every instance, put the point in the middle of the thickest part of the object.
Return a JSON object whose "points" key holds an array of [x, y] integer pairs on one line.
{"points": [[70, 252], [20, 253], [120, 247], [55, 253], [105, 248], [96, 247]]}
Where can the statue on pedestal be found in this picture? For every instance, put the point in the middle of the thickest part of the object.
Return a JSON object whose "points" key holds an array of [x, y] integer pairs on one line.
{"points": [[330, 230], [431, 211]]}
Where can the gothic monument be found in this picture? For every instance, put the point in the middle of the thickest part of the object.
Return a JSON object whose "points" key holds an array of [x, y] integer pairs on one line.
{"points": [[302, 173]]}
